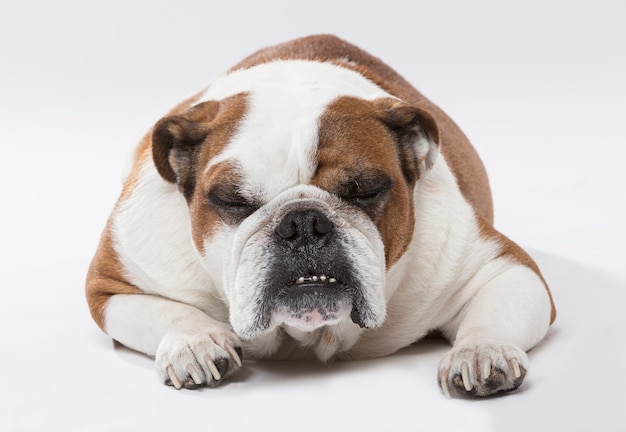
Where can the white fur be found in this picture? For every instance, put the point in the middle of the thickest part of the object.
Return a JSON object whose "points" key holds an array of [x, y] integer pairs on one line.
{"points": [[151, 233], [493, 313]]}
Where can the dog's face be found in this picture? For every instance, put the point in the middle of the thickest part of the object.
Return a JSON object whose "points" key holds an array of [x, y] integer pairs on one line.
{"points": [[299, 183]]}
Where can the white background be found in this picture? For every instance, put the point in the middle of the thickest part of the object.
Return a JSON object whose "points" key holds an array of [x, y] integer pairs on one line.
{"points": [[539, 88]]}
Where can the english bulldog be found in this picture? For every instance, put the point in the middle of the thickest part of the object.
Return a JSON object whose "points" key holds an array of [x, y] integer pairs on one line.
{"points": [[311, 204]]}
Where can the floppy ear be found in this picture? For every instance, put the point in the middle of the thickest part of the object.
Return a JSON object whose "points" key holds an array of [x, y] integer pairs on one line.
{"points": [[416, 132], [176, 142]]}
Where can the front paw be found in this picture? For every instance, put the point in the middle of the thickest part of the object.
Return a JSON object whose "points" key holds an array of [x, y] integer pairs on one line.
{"points": [[193, 359], [482, 369]]}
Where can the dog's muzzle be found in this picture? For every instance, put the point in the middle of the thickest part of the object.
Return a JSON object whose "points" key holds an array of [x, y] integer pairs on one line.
{"points": [[312, 281], [308, 263]]}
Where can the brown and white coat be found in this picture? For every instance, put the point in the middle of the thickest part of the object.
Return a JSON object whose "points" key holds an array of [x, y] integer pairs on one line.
{"points": [[310, 203]]}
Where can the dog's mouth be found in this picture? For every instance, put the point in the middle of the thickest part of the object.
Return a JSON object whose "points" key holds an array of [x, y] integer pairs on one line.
{"points": [[311, 301]]}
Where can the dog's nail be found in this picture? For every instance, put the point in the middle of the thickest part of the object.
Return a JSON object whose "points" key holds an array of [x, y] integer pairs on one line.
{"points": [[445, 388], [486, 370], [466, 378], [234, 353], [173, 377], [516, 370], [195, 374], [216, 373]]}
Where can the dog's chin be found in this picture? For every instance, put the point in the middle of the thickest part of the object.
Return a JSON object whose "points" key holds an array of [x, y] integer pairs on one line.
{"points": [[312, 318], [311, 302]]}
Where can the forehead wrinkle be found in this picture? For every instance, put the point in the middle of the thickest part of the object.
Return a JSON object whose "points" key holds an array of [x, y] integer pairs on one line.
{"points": [[278, 138]]}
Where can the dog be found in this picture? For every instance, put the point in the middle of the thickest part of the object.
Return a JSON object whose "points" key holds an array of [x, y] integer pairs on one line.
{"points": [[311, 204]]}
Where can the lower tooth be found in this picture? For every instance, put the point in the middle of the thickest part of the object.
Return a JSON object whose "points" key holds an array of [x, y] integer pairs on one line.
{"points": [[323, 278]]}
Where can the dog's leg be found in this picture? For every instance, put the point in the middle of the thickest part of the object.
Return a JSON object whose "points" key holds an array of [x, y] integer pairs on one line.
{"points": [[191, 348], [507, 316]]}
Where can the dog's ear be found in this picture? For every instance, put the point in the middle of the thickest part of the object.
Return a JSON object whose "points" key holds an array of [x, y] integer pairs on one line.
{"points": [[416, 132], [176, 143]]}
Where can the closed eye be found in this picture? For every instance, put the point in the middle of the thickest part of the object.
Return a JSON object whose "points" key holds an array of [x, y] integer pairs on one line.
{"points": [[367, 195], [367, 192], [230, 205]]}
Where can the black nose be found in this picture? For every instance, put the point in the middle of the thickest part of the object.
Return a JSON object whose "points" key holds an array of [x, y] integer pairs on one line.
{"points": [[304, 226]]}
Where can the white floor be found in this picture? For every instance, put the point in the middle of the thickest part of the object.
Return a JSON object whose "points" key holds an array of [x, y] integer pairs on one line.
{"points": [[538, 87]]}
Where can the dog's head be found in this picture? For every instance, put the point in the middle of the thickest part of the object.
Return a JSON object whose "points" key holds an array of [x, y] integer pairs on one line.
{"points": [[299, 178]]}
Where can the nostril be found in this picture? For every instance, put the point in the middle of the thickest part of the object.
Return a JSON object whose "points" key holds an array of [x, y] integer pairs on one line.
{"points": [[322, 225], [287, 228]]}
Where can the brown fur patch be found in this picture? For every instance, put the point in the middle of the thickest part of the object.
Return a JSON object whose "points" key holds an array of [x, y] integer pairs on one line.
{"points": [[205, 220], [105, 278], [353, 141], [222, 128]]}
